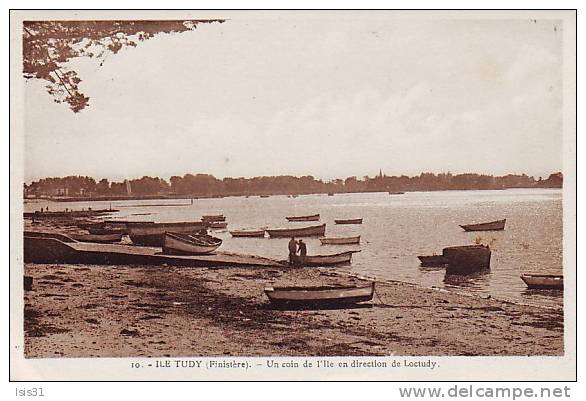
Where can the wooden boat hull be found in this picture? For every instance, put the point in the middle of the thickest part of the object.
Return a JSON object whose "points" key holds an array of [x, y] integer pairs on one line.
{"points": [[218, 224], [313, 231], [348, 221], [543, 281], [340, 241], [184, 244], [433, 261], [490, 226], [248, 234], [466, 259], [328, 260], [316, 296], [313, 217], [100, 238], [213, 218], [153, 234]]}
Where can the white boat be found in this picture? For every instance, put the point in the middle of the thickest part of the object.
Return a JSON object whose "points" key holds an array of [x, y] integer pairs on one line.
{"points": [[324, 295], [340, 240], [190, 244], [327, 260], [543, 281], [313, 231]]}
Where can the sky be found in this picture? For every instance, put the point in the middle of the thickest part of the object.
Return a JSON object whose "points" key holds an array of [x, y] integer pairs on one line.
{"points": [[329, 95]]}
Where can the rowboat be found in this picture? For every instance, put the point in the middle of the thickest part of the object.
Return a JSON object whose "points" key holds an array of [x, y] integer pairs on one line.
{"points": [[323, 295], [265, 196], [490, 226], [466, 259], [298, 232], [327, 260], [101, 238], [433, 260], [216, 217], [313, 217], [153, 234], [218, 224], [396, 192], [348, 221], [543, 281], [340, 240], [190, 244], [248, 233]]}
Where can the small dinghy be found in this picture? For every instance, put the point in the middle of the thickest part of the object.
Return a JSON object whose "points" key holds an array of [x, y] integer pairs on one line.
{"points": [[319, 296], [186, 244], [433, 261], [328, 260], [218, 224], [348, 221], [497, 225], [213, 218], [340, 240], [99, 238], [248, 233], [313, 231], [313, 217], [543, 281]]}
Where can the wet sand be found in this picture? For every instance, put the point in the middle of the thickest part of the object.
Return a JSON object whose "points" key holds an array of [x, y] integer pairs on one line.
{"points": [[125, 311]]}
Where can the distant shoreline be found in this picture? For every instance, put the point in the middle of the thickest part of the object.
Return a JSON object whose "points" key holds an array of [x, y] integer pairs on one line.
{"points": [[183, 196]]}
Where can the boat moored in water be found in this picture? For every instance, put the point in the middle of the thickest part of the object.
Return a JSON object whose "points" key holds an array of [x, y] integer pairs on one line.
{"points": [[543, 281], [190, 244], [313, 217], [433, 261], [213, 218], [340, 240], [490, 226], [312, 231], [348, 221], [317, 296], [218, 224], [248, 233]]}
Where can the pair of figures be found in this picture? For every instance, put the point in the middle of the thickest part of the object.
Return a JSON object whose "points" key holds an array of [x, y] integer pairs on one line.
{"points": [[294, 248]]}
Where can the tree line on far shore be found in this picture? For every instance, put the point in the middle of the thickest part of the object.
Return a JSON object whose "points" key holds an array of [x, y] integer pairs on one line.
{"points": [[206, 185]]}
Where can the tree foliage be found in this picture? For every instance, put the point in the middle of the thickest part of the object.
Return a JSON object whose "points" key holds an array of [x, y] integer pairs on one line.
{"points": [[48, 46]]}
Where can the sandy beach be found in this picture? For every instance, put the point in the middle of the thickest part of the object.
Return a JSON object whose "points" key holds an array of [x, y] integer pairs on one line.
{"points": [[160, 311]]}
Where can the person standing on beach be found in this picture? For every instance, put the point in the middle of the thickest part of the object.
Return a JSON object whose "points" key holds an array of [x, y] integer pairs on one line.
{"points": [[292, 251], [302, 251]]}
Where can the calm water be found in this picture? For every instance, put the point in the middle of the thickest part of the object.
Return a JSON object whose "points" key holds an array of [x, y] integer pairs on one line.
{"points": [[396, 228]]}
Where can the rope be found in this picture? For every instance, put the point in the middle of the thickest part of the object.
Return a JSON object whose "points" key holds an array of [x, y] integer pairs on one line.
{"points": [[378, 296]]}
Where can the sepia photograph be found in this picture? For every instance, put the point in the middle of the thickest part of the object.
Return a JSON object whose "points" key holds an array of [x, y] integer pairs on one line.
{"points": [[350, 194]]}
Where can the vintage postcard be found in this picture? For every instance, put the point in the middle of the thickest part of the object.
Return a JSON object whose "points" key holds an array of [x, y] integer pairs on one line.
{"points": [[293, 195]]}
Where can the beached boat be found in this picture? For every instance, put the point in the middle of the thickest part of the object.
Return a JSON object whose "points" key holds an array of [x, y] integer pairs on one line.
{"points": [[248, 233], [313, 217], [433, 260], [190, 244], [328, 260], [211, 218], [316, 296], [153, 234], [100, 238], [218, 224], [340, 240], [348, 221], [311, 231], [490, 226], [543, 281]]}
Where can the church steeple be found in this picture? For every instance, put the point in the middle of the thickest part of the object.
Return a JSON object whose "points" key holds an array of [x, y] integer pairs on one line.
{"points": [[380, 173]]}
